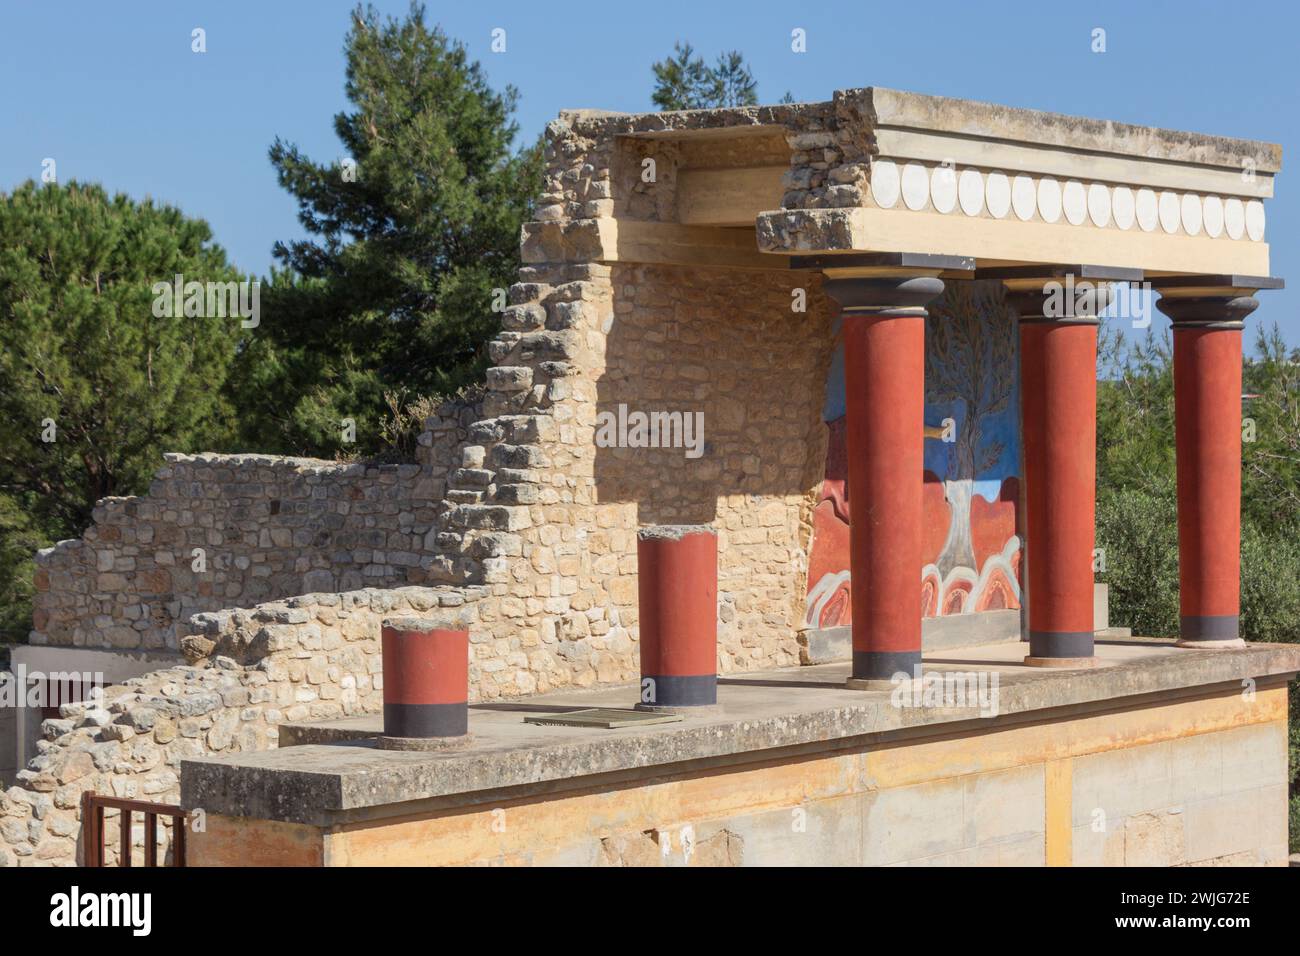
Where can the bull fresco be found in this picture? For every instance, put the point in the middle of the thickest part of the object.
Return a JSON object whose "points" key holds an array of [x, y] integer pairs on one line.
{"points": [[972, 462]]}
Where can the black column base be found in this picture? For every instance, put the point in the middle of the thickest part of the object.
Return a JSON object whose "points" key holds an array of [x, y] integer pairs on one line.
{"points": [[1208, 628], [1060, 643], [885, 665], [672, 690]]}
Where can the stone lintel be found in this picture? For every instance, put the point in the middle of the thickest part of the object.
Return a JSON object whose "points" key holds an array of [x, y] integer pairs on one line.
{"points": [[972, 119], [1001, 242], [887, 111]]}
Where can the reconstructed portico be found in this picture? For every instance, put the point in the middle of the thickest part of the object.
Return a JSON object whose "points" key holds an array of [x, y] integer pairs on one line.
{"points": [[1058, 209], [882, 312], [946, 265]]}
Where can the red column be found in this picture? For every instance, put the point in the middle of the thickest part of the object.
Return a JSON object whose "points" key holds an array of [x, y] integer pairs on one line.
{"points": [[1207, 428], [677, 592], [426, 680], [1208, 315], [883, 330], [1059, 413], [1058, 402]]}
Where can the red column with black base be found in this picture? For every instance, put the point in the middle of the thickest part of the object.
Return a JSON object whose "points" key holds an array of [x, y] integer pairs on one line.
{"points": [[883, 330], [677, 590], [426, 680], [1059, 391], [1208, 316], [1058, 396]]}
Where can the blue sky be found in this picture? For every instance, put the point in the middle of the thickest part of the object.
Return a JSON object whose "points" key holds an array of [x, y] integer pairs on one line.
{"points": [[113, 93]]}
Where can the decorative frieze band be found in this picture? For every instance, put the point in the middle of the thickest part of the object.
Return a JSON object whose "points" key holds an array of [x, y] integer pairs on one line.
{"points": [[976, 193]]}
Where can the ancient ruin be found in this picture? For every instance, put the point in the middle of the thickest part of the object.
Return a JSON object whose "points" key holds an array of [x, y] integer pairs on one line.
{"points": [[881, 311]]}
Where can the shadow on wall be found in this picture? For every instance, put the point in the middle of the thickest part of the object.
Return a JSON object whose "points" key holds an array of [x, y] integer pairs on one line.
{"points": [[718, 370], [726, 378]]}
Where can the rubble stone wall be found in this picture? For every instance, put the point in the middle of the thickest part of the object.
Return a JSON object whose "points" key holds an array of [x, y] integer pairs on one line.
{"points": [[217, 531], [313, 657]]}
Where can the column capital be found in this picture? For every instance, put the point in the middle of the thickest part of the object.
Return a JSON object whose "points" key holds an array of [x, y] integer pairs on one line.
{"points": [[893, 296], [893, 284], [1210, 301], [1074, 294]]}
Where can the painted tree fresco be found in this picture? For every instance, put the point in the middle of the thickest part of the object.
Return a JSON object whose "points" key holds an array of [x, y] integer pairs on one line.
{"points": [[972, 461]]}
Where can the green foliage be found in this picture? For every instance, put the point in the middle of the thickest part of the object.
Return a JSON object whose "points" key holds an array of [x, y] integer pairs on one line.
{"points": [[395, 291], [85, 362], [19, 542], [1295, 815], [1135, 413], [1271, 461], [1139, 531], [1270, 584], [684, 81]]}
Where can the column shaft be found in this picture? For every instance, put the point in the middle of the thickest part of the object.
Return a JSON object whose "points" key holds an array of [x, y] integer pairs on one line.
{"points": [[1058, 363], [426, 679], [1208, 318], [677, 590], [883, 330]]}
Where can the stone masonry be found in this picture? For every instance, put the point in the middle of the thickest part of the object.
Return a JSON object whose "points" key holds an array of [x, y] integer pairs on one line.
{"points": [[264, 528], [314, 657]]}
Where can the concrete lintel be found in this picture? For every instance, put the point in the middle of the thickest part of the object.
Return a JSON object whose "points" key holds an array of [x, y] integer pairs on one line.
{"points": [[762, 714], [972, 119], [114, 664], [1082, 271], [949, 266], [1217, 281]]}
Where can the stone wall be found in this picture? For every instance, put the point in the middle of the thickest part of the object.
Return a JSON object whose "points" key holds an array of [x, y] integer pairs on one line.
{"points": [[511, 493], [265, 528], [510, 502], [728, 345], [314, 657]]}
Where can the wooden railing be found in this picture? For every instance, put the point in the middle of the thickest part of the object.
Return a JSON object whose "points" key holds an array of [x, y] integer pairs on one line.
{"points": [[93, 806]]}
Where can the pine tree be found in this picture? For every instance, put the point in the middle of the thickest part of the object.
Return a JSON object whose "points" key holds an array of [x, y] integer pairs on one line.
{"points": [[413, 230], [94, 385], [684, 81]]}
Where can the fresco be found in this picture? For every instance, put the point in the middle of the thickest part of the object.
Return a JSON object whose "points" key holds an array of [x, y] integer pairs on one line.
{"points": [[971, 550]]}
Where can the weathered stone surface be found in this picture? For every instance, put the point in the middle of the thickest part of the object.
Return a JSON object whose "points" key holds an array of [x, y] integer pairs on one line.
{"points": [[311, 783], [229, 703]]}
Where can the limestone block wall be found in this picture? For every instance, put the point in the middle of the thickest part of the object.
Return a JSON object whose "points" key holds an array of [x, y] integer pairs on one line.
{"points": [[316, 656], [512, 492], [831, 149], [547, 520]]}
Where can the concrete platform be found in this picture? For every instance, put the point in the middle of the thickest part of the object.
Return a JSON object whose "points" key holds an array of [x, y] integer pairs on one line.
{"points": [[335, 774]]}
